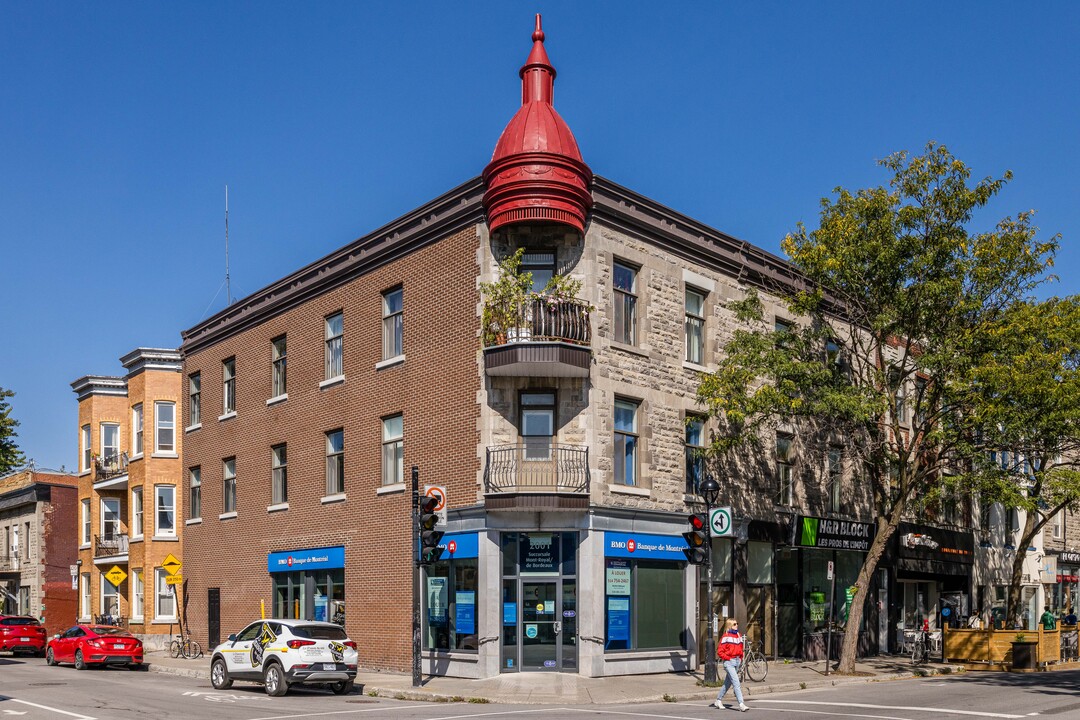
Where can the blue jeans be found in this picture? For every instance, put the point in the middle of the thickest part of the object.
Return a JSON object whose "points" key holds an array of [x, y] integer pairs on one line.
{"points": [[731, 679]]}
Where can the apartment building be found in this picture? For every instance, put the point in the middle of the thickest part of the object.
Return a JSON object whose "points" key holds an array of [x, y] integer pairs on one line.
{"points": [[558, 420], [130, 499], [37, 549]]}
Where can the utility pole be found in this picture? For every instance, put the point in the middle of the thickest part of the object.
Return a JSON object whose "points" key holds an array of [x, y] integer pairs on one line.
{"points": [[415, 525]]}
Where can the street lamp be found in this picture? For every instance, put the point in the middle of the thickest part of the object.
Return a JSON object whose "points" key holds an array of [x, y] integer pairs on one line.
{"points": [[710, 490]]}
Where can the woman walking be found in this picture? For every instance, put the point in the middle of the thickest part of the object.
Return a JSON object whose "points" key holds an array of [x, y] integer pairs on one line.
{"points": [[730, 652]]}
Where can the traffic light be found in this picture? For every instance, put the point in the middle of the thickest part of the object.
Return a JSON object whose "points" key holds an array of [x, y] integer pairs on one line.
{"points": [[697, 540], [430, 552]]}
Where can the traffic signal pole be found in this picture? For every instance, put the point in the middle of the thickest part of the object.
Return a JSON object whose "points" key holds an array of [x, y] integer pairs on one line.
{"points": [[710, 636], [415, 525]]}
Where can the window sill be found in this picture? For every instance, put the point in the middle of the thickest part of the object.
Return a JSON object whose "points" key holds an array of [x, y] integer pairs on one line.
{"points": [[136, 456], [84, 473], [192, 428], [84, 546], [390, 489], [277, 399], [335, 498], [390, 362], [695, 367], [163, 621], [136, 538], [630, 490], [137, 619], [632, 349], [165, 538], [277, 508], [331, 382], [227, 516], [194, 521], [167, 456], [227, 416]]}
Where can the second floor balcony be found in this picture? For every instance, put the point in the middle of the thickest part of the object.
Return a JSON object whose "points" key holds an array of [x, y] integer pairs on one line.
{"points": [[110, 546], [543, 336], [110, 471], [514, 473]]}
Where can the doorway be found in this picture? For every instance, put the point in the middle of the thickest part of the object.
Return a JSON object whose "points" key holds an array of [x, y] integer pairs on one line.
{"points": [[548, 632]]}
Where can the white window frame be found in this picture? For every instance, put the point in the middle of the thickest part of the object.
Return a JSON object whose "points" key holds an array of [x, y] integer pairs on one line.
{"points": [[137, 430], [694, 326], [164, 426], [334, 356], [1057, 525], [86, 598], [279, 369], [195, 492], [195, 399], [785, 470], [393, 450], [164, 501], [163, 593], [228, 386], [335, 464], [835, 477], [137, 511], [103, 607], [393, 306], [279, 474], [228, 485], [631, 476], [104, 448], [87, 524], [102, 520], [624, 311], [85, 456], [138, 594]]}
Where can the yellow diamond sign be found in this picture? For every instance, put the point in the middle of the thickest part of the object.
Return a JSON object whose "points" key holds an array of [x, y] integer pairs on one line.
{"points": [[171, 564], [116, 575]]}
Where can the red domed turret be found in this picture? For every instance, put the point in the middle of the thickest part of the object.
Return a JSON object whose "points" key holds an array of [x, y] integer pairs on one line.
{"points": [[536, 172]]}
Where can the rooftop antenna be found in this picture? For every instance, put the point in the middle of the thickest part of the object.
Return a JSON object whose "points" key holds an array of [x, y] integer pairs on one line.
{"points": [[228, 286]]}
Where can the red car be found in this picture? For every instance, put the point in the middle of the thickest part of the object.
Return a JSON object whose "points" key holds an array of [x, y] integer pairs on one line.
{"points": [[22, 634], [87, 645]]}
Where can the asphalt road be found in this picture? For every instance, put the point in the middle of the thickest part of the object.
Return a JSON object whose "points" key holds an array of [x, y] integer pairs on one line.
{"points": [[30, 690]]}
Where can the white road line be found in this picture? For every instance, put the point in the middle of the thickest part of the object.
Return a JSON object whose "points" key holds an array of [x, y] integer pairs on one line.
{"points": [[867, 706], [52, 709], [336, 712], [836, 714]]}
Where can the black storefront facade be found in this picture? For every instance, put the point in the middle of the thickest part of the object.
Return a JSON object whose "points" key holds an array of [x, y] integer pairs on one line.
{"points": [[929, 574]]}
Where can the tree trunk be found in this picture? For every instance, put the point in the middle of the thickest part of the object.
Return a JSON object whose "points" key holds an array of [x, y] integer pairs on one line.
{"points": [[848, 650]]}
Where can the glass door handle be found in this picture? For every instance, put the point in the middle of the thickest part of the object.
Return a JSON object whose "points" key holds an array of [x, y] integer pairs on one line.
{"points": [[558, 627]]}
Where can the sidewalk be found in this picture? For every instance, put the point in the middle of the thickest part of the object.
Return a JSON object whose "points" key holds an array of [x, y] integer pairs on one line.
{"points": [[572, 689]]}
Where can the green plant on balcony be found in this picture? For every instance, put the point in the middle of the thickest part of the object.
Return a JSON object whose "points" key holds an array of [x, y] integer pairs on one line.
{"points": [[505, 299]]}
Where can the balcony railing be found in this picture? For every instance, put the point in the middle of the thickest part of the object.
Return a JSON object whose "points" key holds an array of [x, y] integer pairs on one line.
{"points": [[109, 545], [537, 468], [110, 466], [543, 319]]}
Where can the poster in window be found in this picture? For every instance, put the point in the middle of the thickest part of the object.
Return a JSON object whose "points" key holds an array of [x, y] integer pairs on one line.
{"points": [[618, 581], [465, 612], [618, 621], [437, 601]]}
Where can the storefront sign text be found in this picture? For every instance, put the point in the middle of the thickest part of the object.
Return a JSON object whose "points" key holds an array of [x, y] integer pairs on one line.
{"points": [[309, 559], [835, 534], [640, 545]]}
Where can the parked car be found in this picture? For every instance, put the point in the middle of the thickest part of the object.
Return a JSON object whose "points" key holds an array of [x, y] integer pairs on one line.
{"points": [[280, 653], [86, 645], [22, 634]]}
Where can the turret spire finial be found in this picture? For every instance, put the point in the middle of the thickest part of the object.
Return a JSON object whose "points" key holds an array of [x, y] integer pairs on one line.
{"points": [[538, 33]]}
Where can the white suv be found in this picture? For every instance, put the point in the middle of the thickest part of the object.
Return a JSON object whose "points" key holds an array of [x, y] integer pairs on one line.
{"points": [[280, 653]]}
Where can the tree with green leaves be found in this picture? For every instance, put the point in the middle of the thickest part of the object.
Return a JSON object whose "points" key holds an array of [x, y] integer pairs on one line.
{"points": [[10, 455], [1024, 420], [892, 309]]}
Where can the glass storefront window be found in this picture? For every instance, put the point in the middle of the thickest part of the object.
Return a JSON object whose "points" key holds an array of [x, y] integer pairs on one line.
{"points": [[645, 613], [310, 595], [721, 554], [450, 596], [759, 563]]}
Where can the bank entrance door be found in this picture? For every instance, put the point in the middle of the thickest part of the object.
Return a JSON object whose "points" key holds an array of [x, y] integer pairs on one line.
{"points": [[548, 625]]}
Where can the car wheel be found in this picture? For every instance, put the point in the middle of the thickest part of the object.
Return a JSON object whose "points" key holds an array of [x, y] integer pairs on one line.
{"points": [[49, 659], [274, 679], [342, 687], [219, 675], [80, 664]]}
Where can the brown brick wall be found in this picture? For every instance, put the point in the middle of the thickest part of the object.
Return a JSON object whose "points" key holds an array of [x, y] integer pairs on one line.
{"points": [[435, 389], [59, 552]]}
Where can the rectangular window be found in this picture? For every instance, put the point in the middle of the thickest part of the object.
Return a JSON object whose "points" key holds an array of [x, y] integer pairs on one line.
{"points": [[625, 311], [228, 501], [85, 539], [279, 475], [195, 490], [836, 477], [278, 358], [86, 449], [695, 326], [136, 512], [335, 462], [695, 460], [626, 442], [165, 510], [537, 424], [165, 427], [1057, 526], [110, 518], [110, 443], [26, 542], [648, 613], [84, 605], [136, 429], [392, 324], [781, 325], [541, 265], [785, 474], [137, 593], [228, 390], [164, 601], [335, 332], [195, 397], [110, 597], [393, 452]]}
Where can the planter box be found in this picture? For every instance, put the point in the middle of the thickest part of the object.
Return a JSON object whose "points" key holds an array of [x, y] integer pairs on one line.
{"points": [[1024, 655], [994, 647]]}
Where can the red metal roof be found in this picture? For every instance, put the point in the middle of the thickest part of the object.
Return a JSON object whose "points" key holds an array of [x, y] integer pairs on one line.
{"points": [[536, 172]]}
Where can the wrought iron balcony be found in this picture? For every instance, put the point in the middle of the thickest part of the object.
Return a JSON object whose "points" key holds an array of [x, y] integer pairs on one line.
{"points": [[110, 469], [110, 545], [544, 337], [537, 468]]}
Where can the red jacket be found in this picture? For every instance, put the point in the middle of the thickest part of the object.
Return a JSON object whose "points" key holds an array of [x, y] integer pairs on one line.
{"points": [[731, 646]]}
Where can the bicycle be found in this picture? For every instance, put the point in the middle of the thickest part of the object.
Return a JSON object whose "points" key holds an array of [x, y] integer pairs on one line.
{"points": [[185, 647], [920, 648], [754, 664]]}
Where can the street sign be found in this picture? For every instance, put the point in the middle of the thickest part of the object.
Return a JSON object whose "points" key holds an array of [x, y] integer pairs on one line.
{"points": [[171, 564], [74, 570], [174, 579], [720, 522], [116, 575], [439, 493]]}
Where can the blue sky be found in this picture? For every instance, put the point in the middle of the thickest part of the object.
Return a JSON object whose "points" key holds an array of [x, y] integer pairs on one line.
{"points": [[121, 124]]}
